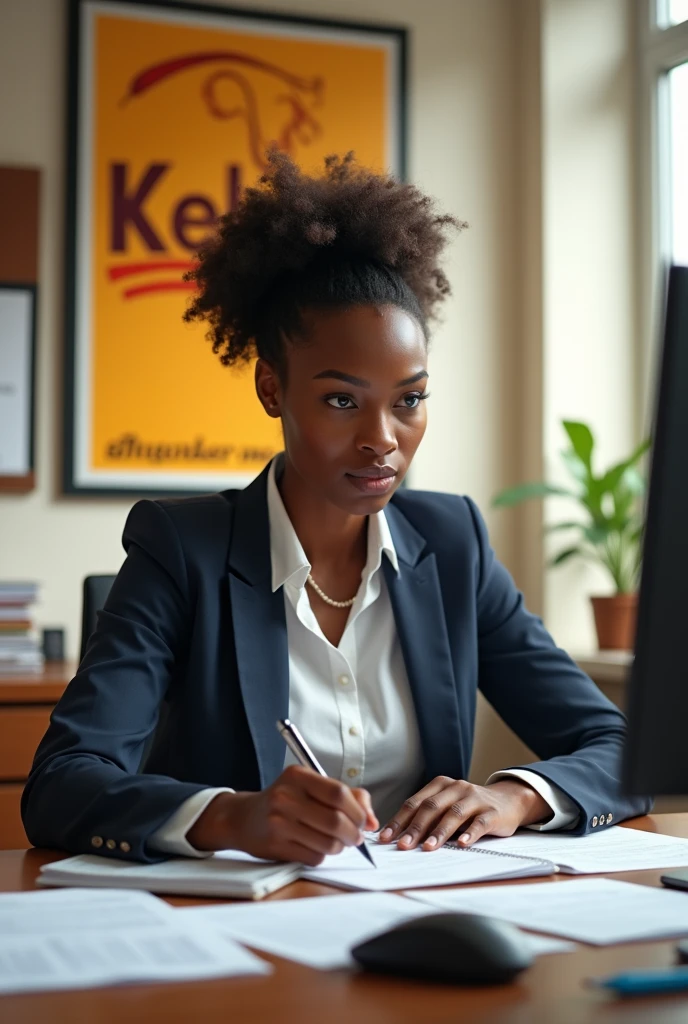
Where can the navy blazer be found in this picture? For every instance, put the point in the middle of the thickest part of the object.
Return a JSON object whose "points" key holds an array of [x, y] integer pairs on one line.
{"points": [[191, 622]]}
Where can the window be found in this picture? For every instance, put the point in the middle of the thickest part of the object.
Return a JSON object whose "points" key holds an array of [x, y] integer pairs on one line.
{"points": [[677, 206], [676, 12]]}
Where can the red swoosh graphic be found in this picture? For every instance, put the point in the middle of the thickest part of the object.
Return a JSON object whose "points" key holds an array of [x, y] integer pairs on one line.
{"points": [[159, 286], [128, 269], [158, 72]]}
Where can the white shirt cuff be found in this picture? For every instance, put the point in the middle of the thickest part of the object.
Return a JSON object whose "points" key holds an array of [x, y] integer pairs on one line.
{"points": [[565, 812], [171, 837]]}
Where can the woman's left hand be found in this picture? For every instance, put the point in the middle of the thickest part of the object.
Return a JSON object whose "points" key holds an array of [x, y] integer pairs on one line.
{"points": [[440, 809]]}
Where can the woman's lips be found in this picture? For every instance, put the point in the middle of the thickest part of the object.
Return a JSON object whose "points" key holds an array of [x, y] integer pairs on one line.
{"points": [[372, 484]]}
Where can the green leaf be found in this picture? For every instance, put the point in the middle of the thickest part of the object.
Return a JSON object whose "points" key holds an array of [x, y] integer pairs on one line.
{"points": [[582, 440], [525, 492], [596, 534], [613, 477], [625, 471], [564, 555], [634, 480], [571, 525], [574, 465], [592, 498]]}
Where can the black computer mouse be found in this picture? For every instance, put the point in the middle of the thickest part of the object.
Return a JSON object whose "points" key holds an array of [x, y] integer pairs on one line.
{"points": [[466, 949]]}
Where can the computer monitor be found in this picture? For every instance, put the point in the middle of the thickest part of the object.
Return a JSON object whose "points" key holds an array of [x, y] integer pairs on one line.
{"points": [[656, 754]]}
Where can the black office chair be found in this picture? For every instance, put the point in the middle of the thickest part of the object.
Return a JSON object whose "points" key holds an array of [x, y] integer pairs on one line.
{"points": [[96, 590]]}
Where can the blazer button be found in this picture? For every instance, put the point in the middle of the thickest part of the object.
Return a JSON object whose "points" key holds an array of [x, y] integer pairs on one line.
{"points": [[96, 841], [110, 844], [601, 819], [594, 822], [125, 847], [609, 818]]}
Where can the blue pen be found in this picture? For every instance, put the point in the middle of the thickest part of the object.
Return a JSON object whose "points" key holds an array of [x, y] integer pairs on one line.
{"points": [[643, 983]]}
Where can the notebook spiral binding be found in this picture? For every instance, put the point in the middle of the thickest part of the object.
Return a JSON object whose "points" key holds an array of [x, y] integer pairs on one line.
{"points": [[497, 853]]}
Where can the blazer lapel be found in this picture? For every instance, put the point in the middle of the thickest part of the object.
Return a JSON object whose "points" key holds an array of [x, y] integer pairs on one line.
{"points": [[260, 630], [419, 615]]}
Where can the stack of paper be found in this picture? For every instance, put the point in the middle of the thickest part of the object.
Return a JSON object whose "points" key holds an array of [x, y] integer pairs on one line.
{"points": [[78, 938], [20, 650]]}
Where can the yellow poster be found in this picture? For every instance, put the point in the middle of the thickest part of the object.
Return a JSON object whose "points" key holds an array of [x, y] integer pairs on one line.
{"points": [[173, 108]]}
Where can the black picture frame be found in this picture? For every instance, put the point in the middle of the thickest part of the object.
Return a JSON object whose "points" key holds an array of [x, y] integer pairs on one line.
{"points": [[70, 484]]}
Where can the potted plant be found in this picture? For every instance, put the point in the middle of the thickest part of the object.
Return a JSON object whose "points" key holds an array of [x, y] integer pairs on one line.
{"points": [[609, 533]]}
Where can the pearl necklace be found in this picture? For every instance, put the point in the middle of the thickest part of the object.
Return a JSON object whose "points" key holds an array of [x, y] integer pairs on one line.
{"points": [[325, 598]]}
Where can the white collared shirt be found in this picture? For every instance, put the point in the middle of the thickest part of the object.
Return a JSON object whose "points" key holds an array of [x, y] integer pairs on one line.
{"points": [[352, 703]]}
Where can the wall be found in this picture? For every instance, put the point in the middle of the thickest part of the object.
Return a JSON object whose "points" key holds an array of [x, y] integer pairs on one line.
{"points": [[462, 150], [590, 343]]}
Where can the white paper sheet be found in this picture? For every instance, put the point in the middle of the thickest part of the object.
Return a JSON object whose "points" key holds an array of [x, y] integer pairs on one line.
{"points": [[79, 938], [599, 911], [402, 869], [318, 931], [73, 910], [87, 959], [613, 849]]}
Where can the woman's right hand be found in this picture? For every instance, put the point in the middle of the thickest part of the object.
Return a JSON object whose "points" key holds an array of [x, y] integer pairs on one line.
{"points": [[301, 817]]}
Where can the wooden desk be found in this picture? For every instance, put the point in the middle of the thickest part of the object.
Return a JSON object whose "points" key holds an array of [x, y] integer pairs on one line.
{"points": [[550, 992], [25, 705]]}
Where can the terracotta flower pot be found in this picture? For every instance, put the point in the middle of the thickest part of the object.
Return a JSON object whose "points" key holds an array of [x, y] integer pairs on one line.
{"points": [[615, 619]]}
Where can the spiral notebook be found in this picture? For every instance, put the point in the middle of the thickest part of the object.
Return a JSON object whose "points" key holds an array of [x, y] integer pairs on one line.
{"points": [[234, 874], [421, 869]]}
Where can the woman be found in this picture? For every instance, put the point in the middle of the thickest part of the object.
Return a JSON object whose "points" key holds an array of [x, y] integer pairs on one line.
{"points": [[367, 614]]}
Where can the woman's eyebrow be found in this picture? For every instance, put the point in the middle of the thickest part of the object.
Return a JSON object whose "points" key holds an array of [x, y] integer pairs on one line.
{"points": [[421, 375], [358, 382]]}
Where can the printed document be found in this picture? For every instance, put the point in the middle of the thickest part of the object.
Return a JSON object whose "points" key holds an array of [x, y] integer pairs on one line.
{"points": [[614, 849], [596, 910], [76, 938]]}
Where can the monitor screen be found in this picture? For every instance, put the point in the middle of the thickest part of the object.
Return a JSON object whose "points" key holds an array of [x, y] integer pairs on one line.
{"points": [[656, 756]]}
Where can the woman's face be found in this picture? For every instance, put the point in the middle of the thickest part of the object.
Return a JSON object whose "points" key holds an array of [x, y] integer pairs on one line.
{"points": [[352, 408]]}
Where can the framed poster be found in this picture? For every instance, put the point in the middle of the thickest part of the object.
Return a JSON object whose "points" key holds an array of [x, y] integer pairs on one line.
{"points": [[172, 107], [17, 386]]}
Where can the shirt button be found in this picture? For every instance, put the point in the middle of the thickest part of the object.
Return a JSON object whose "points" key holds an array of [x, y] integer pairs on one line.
{"points": [[353, 731], [111, 844], [352, 772], [344, 680], [96, 841]]}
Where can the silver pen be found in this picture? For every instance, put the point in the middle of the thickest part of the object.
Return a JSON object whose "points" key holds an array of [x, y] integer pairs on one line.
{"points": [[304, 755]]}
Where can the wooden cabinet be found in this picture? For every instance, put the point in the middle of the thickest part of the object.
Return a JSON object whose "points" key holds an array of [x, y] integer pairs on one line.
{"points": [[25, 706]]}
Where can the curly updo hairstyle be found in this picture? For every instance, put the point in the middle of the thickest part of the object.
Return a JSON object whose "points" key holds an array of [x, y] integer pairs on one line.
{"points": [[347, 238]]}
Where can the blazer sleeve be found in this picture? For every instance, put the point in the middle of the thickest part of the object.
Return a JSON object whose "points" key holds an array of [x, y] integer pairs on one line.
{"points": [[83, 794], [548, 701]]}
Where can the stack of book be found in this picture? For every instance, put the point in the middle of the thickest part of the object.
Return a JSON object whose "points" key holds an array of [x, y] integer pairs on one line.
{"points": [[20, 649]]}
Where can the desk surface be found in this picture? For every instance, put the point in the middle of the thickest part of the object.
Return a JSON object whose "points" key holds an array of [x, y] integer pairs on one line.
{"points": [[44, 687], [550, 992]]}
